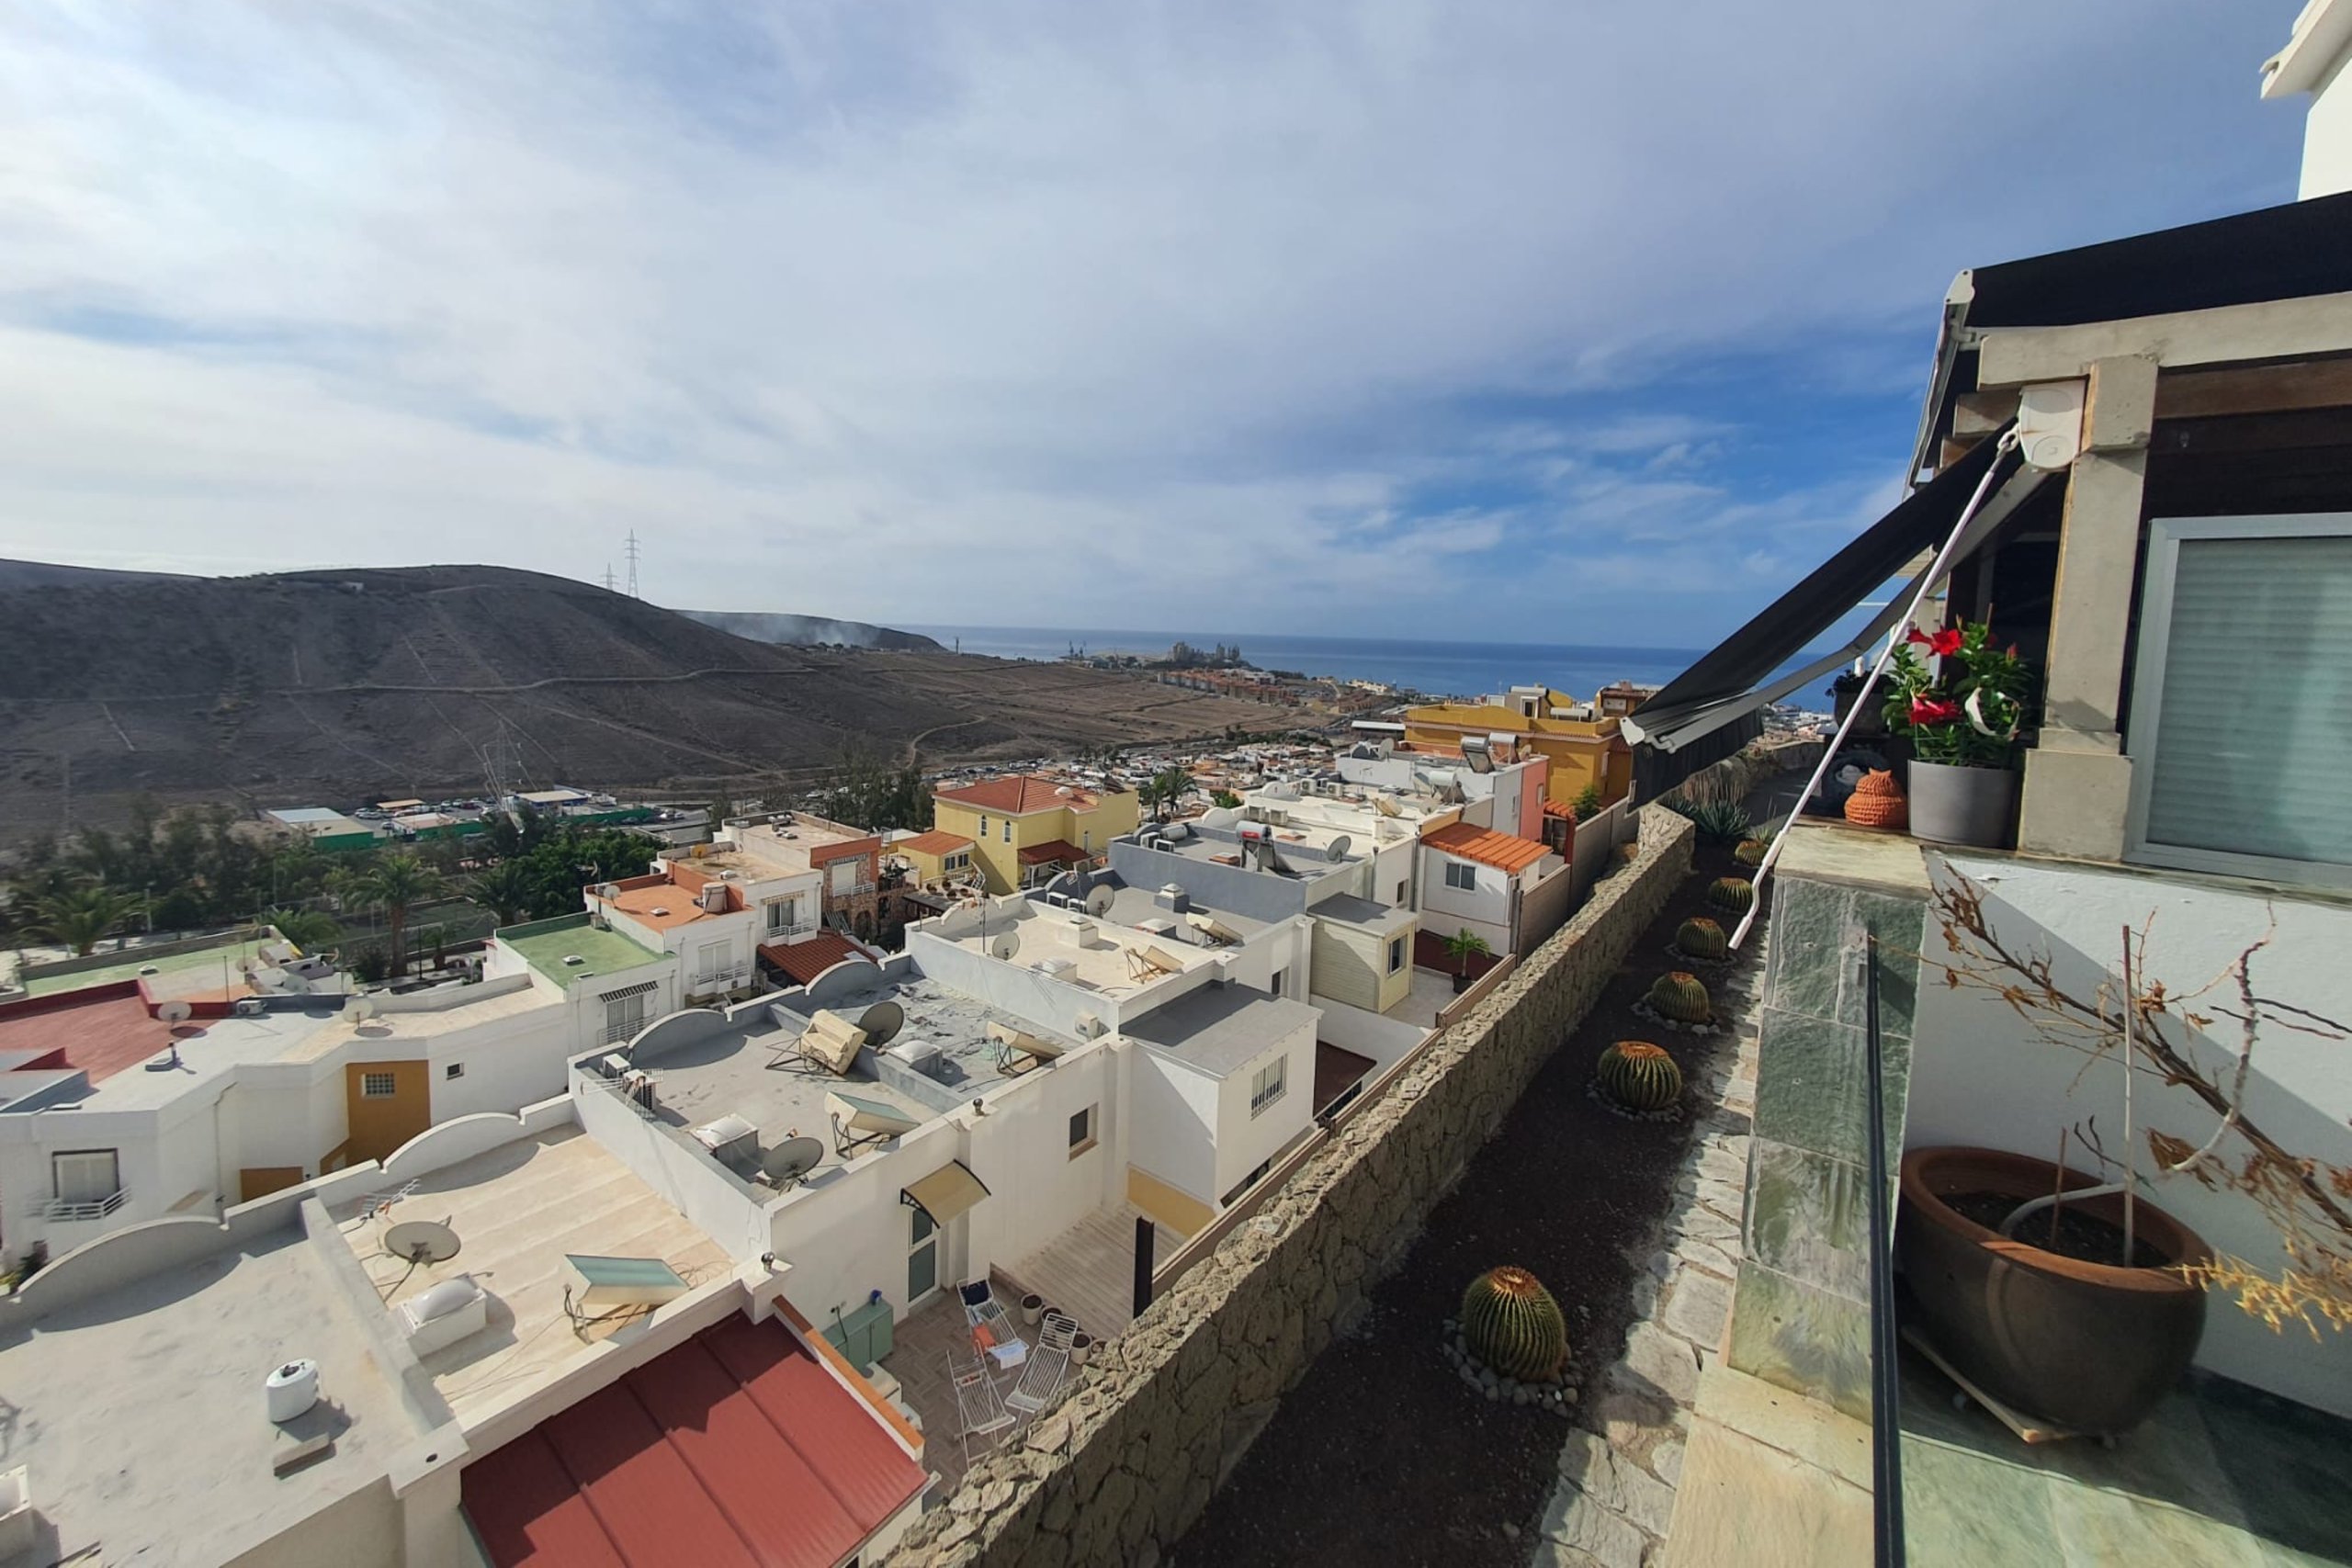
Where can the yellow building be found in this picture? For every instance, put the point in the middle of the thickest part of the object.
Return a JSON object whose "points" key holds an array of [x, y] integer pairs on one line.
{"points": [[1579, 739], [1026, 830], [935, 857]]}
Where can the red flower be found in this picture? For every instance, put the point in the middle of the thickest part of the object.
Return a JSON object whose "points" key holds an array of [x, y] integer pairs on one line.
{"points": [[1933, 710], [1943, 644]]}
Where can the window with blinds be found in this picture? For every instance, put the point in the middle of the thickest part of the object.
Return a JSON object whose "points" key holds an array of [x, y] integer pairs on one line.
{"points": [[2242, 710]]}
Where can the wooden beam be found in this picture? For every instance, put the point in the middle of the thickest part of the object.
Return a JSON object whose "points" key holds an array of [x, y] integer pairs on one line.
{"points": [[2281, 388], [2275, 329]]}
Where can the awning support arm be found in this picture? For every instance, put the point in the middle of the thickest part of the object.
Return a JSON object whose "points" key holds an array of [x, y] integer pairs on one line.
{"points": [[1929, 581]]}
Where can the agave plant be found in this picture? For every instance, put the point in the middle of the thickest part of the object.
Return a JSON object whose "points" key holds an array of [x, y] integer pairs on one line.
{"points": [[1718, 821], [1639, 1075], [1510, 1323]]}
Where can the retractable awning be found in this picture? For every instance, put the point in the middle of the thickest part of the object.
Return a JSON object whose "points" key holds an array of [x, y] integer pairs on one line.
{"points": [[945, 1193], [1710, 709]]}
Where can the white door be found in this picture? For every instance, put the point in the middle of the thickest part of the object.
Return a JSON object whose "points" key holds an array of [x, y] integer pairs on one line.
{"points": [[923, 1256]]}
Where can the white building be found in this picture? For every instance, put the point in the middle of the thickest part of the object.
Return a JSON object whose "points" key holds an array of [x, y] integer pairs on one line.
{"points": [[2314, 62]]}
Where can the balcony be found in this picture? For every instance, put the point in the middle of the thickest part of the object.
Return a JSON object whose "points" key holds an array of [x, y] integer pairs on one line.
{"points": [[790, 931], [852, 891], [712, 982], [71, 1209]]}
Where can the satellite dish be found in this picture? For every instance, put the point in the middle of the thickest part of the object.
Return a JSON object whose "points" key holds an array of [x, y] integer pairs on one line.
{"points": [[174, 1011], [1338, 848], [795, 1157], [422, 1241], [881, 1023], [360, 1009], [1100, 899], [1004, 946]]}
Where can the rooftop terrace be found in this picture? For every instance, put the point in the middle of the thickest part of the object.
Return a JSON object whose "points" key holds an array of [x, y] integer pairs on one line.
{"points": [[1103, 960], [517, 1210], [220, 960], [126, 1050], [784, 848], [1220, 1028], [545, 944], [140, 1413]]}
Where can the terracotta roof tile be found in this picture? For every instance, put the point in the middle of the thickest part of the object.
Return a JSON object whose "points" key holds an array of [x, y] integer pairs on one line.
{"points": [[1053, 851], [936, 842], [1017, 795], [1504, 851], [812, 955]]}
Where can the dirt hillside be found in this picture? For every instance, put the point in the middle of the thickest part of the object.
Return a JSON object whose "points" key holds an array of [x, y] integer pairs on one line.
{"points": [[327, 688]]}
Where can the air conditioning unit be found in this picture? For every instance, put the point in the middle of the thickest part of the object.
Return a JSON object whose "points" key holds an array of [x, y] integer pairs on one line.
{"points": [[251, 1007]]}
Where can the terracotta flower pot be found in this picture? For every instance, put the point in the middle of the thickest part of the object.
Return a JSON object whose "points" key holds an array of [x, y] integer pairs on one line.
{"points": [[2088, 1345], [1877, 802]]}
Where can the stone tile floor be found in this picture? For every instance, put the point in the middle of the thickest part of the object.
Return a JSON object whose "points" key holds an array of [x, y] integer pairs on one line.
{"points": [[921, 1348], [2220, 1475]]}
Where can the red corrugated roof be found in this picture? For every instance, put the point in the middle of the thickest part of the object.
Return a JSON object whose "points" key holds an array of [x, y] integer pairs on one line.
{"points": [[735, 1448], [1016, 794], [1504, 851], [812, 955], [1053, 852]]}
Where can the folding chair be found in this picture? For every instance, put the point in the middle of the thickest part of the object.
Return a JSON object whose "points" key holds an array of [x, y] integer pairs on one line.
{"points": [[993, 1334], [1048, 1364], [980, 1413]]}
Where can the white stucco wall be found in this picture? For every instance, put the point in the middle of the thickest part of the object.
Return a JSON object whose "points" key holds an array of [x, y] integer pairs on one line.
{"points": [[845, 1234], [1244, 1142], [1172, 1123], [1020, 1150], [1979, 1075], [2327, 136], [1485, 908]]}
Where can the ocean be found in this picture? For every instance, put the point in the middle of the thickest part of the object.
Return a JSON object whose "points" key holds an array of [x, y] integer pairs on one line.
{"points": [[1437, 669]]}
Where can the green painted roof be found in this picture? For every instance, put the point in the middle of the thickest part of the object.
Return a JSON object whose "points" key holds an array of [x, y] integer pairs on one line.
{"points": [[133, 961], [545, 944]]}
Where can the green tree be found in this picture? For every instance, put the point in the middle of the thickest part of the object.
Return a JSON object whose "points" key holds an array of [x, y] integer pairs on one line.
{"points": [[81, 917], [1587, 803], [1462, 947], [1225, 798], [505, 890], [1166, 789], [395, 883], [307, 928]]}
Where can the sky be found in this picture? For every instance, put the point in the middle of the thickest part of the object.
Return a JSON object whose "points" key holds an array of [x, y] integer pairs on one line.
{"points": [[1569, 320]]}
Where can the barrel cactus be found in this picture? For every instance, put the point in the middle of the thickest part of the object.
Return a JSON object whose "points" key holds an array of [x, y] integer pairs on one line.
{"points": [[1732, 895], [1701, 938], [1639, 1075], [1510, 1323], [1750, 851], [1682, 997]]}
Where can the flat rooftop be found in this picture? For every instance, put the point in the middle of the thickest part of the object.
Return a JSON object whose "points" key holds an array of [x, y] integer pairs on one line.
{"points": [[1221, 1029], [517, 1209], [1303, 847], [126, 1050], [464, 1011], [603, 952], [1382, 920], [779, 849], [140, 1413], [218, 960], [1102, 962], [740, 1074]]}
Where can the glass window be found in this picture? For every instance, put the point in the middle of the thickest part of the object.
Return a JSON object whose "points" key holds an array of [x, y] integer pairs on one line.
{"points": [[1268, 1085], [87, 1176], [1395, 953], [2237, 731], [1460, 873], [923, 1256], [1081, 1130], [377, 1085]]}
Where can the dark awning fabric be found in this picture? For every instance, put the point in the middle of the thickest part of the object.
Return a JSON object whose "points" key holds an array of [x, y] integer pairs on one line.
{"points": [[1711, 709], [2276, 252]]}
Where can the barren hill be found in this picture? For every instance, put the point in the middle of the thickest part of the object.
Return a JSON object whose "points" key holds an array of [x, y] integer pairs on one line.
{"points": [[802, 630], [329, 686]]}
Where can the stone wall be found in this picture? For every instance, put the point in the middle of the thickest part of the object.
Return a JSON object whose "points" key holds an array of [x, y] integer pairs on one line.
{"points": [[1126, 1459]]}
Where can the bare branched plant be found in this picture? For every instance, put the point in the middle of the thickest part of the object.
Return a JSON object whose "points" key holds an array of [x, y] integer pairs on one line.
{"points": [[2307, 1201]]}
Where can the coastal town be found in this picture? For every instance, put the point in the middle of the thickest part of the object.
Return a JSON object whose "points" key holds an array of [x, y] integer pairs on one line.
{"points": [[645, 1090]]}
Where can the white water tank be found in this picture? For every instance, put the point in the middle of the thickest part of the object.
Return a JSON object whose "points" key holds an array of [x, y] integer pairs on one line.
{"points": [[292, 1389]]}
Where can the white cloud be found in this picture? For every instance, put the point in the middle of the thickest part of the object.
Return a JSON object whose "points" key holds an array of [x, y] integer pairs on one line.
{"points": [[1207, 315]]}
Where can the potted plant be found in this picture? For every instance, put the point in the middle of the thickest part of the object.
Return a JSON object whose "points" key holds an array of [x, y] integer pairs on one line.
{"points": [[1033, 1307], [2071, 1295], [1963, 714], [1081, 1345], [1462, 947]]}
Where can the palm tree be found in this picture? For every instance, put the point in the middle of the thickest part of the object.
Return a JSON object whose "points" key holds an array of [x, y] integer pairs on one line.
{"points": [[395, 882], [81, 917], [1462, 947], [505, 890], [307, 928], [1166, 788]]}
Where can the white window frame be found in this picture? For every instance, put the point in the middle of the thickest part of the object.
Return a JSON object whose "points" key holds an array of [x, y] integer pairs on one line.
{"points": [[1469, 870], [1082, 1122], [2165, 537], [1268, 1085]]}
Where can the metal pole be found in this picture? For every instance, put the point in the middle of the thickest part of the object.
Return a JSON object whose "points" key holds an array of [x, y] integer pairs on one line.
{"points": [[1886, 1437], [1145, 1236]]}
